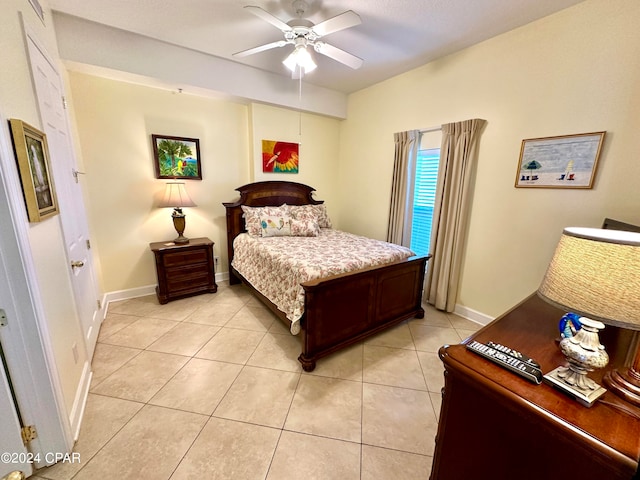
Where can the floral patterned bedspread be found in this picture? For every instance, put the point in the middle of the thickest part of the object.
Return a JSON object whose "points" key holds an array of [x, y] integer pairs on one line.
{"points": [[276, 266]]}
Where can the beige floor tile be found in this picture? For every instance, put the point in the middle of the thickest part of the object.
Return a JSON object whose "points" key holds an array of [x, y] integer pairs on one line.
{"points": [[345, 364], [141, 377], [383, 464], [239, 291], [177, 310], [460, 323], [114, 322], [103, 418], [392, 366], [254, 301], [277, 351], [198, 387], [258, 319], [433, 317], [214, 313], [109, 358], [397, 337], [269, 418], [436, 401], [430, 339], [259, 396], [231, 345], [228, 450], [150, 446], [306, 456], [141, 333], [235, 295], [433, 370], [278, 326], [398, 418], [464, 334], [185, 339], [327, 407], [139, 306]]}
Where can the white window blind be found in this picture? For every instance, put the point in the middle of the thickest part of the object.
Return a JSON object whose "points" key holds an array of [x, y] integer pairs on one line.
{"points": [[424, 198]]}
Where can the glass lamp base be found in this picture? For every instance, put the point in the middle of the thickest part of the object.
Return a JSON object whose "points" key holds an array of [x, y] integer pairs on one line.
{"points": [[584, 396]]}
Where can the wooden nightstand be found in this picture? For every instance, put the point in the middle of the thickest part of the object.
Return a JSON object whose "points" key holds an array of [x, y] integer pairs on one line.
{"points": [[184, 270]]}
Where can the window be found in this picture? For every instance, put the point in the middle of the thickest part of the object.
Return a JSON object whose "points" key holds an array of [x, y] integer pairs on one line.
{"points": [[424, 197]]}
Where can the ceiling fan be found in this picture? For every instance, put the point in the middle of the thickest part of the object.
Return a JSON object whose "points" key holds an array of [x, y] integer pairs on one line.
{"points": [[302, 33]]}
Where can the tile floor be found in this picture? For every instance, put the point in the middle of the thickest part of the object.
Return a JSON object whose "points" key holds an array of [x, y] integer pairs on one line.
{"points": [[210, 388]]}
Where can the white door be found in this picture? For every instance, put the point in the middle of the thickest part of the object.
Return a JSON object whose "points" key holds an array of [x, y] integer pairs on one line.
{"points": [[14, 455], [12, 451], [50, 96]]}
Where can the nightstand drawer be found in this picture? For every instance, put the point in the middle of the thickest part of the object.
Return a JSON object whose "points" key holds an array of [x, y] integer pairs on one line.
{"points": [[185, 278], [185, 257]]}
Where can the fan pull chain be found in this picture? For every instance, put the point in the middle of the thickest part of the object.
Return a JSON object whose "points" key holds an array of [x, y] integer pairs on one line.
{"points": [[300, 107]]}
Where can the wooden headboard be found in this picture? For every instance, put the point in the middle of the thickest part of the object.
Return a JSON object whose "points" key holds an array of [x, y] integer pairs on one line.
{"points": [[611, 224], [262, 194]]}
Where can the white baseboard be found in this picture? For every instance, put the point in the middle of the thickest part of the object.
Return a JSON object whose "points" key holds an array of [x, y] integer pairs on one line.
{"points": [[142, 292], [473, 315], [77, 411]]}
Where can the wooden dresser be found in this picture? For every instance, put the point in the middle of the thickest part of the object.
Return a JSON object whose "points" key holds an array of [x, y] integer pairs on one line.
{"points": [[495, 425], [184, 270]]}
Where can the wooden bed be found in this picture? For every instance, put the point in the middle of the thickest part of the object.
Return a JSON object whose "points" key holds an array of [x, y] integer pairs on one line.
{"points": [[342, 309]]}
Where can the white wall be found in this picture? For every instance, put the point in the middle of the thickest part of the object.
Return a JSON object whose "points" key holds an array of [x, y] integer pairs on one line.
{"points": [[573, 72], [318, 137], [60, 328], [115, 121]]}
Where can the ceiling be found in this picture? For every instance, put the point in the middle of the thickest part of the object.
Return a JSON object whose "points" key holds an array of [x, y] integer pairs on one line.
{"points": [[395, 35]]}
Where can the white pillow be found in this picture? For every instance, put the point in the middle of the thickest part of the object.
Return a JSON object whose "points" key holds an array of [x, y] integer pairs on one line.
{"points": [[275, 225]]}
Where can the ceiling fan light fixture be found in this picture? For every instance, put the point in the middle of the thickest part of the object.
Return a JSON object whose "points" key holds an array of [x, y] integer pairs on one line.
{"points": [[300, 57]]}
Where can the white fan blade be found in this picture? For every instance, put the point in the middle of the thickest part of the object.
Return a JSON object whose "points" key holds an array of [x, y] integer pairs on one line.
{"points": [[338, 55], [263, 14], [261, 48], [337, 23]]}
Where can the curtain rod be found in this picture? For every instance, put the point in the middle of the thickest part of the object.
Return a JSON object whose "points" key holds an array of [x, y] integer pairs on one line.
{"points": [[432, 129]]}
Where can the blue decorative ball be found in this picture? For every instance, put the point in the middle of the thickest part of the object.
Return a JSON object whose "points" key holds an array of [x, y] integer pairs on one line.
{"points": [[569, 325]]}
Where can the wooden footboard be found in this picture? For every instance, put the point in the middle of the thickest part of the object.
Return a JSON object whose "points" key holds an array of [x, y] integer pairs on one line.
{"points": [[344, 309]]}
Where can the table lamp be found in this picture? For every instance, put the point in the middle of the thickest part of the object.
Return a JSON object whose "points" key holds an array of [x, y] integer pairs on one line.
{"points": [[176, 196], [596, 274]]}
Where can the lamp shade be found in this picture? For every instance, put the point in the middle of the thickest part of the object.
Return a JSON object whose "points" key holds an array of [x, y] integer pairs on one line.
{"points": [[596, 273], [175, 195]]}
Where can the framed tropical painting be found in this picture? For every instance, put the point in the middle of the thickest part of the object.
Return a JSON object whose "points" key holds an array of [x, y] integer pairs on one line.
{"points": [[176, 157], [567, 161], [32, 156]]}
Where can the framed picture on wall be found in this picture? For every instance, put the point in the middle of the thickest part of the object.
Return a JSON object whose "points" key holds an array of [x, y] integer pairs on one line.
{"points": [[280, 157], [567, 161], [176, 157], [32, 157]]}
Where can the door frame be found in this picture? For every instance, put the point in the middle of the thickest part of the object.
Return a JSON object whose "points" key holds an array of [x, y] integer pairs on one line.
{"points": [[26, 339]]}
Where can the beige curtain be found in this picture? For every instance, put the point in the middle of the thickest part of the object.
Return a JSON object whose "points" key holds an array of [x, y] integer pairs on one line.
{"points": [[399, 229], [458, 156]]}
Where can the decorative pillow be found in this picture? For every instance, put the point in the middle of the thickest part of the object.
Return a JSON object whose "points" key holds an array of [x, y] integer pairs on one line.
{"points": [[311, 212], [275, 226], [252, 217], [304, 228]]}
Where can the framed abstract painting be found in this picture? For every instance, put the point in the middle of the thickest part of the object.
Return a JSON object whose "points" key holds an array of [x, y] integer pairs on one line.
{"points": [[280, 157]]}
